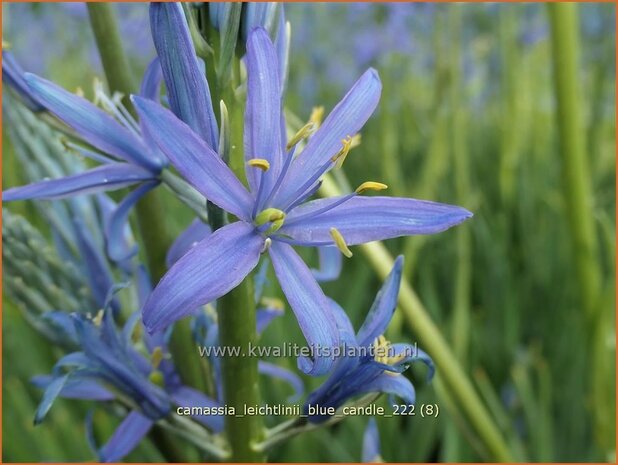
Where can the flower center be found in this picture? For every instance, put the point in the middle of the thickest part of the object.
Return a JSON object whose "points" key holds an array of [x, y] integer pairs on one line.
{"points": [[270, 216], [383, 353]]}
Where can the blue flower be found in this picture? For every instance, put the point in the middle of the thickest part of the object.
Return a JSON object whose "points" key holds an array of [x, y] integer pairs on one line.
{"points": [[110, 367], [126, 155], [369, 363], [276, 214]]}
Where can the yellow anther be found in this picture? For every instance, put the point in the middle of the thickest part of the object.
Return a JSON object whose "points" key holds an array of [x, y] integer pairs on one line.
{"points": [[302, 133], [340, 242], [371, 186], [271, 302], [340, 156], [156, 377], [382, 354], [259, 163], [136, 335], [316, 116], [356, 140], [157, 357], [270, 215], [98, 319], [79, 92], [6, 45]]}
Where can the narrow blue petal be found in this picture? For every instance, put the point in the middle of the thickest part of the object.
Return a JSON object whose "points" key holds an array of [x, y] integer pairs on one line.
{"points": [[209, 270], [259, 14], [62, 322], [13, 75], [96, 126], [196, 231], [282, 44], [331, 262], [185, 396], [102, 178], [415, 355], [151, 82], [143, 284], [118, 248], [397, 385], [126, 437], [383, 307], [49, 396], [371, 443], [265, 316], [344, 325], [95, 265], [308, 303], [260, 279], [263, 110], [275, 371], [197, 162], [346, 119], [346, 362], [186, 84], [365, 219], [76, 388]]}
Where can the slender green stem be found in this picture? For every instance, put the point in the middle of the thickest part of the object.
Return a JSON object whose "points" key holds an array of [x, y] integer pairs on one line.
{"points": [[575, 170], [580, 207], [237, 328], [432, 340]]}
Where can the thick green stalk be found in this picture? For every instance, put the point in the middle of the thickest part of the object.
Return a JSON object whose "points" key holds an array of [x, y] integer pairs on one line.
{"points": [[580, 206], [575, 170], [237, 328], [150, 211], [432, 340]]}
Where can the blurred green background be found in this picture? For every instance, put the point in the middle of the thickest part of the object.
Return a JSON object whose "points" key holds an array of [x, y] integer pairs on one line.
{"points": [[468, 116]]}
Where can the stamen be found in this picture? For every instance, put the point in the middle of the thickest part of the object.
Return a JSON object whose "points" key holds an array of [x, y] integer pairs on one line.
{"points": [[340, 156], [79, 92], [303, 133], [267, 243], [306, 195], [340, 242], [260, 163], [157, 357], [316, 116], [72, 147], [356, 140], [371, 186], [98, 319], [6, 45], [272, 302], [115, 108]]}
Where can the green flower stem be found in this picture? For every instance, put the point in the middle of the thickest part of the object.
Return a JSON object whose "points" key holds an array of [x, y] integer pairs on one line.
{"points": [[237, 328], [432, 340], [579, 208], [575, 170]]}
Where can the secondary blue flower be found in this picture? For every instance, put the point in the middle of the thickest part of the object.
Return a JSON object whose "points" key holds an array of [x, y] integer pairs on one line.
{"points": [[275, 214], [369, 362], [126, 155], [107, 360]]}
